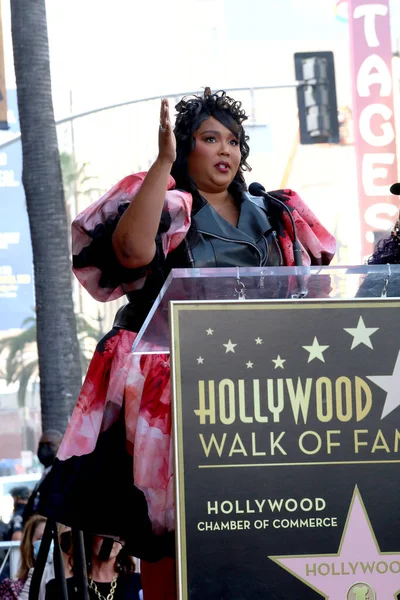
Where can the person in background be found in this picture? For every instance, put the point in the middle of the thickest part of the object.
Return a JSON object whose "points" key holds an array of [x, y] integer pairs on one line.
{"points": [[111, 578], [64, 536], [4, 569], [386, 252], [65, 539], [46, 453], [20, 495], [11, 589]]}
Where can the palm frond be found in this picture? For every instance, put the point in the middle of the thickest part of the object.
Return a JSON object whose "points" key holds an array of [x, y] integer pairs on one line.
{"points": [[86, 328], [28, 321], [16, 347], [26, 336], [14, 363], [21, 361], [75, 176]]}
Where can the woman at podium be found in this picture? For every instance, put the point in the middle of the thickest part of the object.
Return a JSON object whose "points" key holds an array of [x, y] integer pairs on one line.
{"points": [[114, 472]]}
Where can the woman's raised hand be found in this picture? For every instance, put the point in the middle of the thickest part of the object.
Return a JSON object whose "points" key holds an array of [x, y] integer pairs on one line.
{"points": [[166, 137]]}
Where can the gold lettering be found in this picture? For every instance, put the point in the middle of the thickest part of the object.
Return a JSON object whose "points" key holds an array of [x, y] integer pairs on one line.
{"points": [[212, 509], [362, 411], [240, 449], [380, 443], [299, 399], [317, 437], [382, 567], [396, 440], [344, 409], [343, 572], [353, 567], [259, 504], [357, 442], [275, 443], [227, 412], [213, 442], [311, 569], [202, 411], [323, 394], [277, 408], [367, 567], [323, 569], [257, 408], [329, 443], [253, 446], [242, 403]]}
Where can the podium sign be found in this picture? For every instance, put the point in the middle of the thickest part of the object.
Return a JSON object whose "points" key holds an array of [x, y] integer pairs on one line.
{"points": [[287, 449]]}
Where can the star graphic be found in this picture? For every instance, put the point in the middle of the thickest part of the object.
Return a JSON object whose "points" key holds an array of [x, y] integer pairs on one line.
{"points": [[210, 331], [200, 360], [249, 364], [279, 362], [316, 351], [258, 341], [333, 575], [229, 347], [361, 334], [389, 383]]}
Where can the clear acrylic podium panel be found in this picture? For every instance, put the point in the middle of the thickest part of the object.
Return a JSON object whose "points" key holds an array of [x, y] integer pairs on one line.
{"points": [[256, 284]]}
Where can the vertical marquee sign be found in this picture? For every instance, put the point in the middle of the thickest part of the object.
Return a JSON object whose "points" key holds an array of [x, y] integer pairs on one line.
{"points": [[3, 92], [287, 449], [374, 126]]}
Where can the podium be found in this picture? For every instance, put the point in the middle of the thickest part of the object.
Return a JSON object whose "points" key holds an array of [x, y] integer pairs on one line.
{"points": [[286, 412]]}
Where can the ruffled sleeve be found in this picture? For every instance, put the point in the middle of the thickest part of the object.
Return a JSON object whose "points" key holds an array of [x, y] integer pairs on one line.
{"points": [[94, 261], [317, 245]]}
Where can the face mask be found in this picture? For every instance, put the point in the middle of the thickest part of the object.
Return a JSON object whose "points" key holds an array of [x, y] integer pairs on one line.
{"points": [[46, 455], [36, 546]]}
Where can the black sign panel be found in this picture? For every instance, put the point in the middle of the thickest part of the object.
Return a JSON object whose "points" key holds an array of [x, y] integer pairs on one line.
{"points": [[287, 442]]}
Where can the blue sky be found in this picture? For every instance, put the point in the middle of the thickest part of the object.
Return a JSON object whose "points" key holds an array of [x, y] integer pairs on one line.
{"points": [[292, 19]]}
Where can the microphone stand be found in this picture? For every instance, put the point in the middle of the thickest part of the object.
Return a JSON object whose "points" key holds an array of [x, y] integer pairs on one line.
{"points": [[298, 259]]}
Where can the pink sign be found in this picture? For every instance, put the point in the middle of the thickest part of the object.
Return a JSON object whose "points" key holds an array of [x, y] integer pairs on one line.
{"points": [[374, 128], [358, 571]]}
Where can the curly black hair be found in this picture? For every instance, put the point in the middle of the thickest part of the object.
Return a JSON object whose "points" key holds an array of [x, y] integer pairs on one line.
{"points": [[387, 250], [191, 112]]}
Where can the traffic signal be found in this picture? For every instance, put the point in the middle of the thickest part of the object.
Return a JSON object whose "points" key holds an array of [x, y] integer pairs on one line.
{"points": [[316, 97]]}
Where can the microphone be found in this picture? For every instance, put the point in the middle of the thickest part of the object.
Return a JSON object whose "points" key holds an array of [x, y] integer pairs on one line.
{"points": [[105, 549], [256, 189], [395, 189]]}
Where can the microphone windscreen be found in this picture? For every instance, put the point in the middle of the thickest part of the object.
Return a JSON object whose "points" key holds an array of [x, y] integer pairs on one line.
{"points": [[256, 189], [395, 189]]}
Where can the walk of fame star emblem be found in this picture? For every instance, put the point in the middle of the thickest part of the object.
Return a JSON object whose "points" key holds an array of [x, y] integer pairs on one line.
{"points": [[359, 570]]}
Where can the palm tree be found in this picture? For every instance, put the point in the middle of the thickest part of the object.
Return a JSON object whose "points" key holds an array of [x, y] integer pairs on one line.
{"points": [[76, 180], [21, 363], [76, 183], [60, 372]]}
